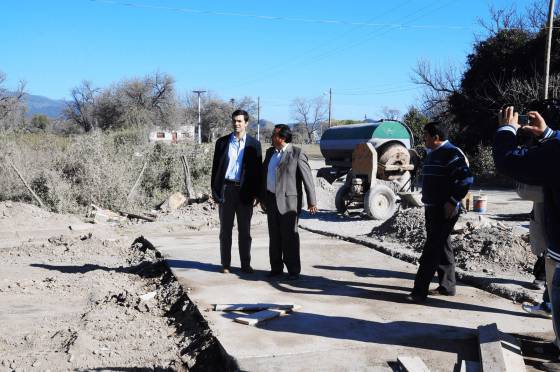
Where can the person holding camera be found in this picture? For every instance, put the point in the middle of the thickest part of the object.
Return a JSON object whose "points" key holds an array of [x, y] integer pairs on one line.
{"points": [[535, 164]]}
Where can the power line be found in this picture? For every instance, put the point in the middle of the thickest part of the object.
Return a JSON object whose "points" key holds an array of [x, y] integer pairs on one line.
{"points": [[275, 17], [376, 33]]}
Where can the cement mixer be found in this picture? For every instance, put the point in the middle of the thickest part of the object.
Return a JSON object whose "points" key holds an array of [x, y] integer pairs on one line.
{"points": [[378, 161]]}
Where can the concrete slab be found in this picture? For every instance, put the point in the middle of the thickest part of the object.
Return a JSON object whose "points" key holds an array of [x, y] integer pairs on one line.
{"points": [[353, 316]]}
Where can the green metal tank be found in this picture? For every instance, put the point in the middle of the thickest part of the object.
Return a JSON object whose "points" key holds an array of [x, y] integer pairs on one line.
{"points": [[338, 143]]}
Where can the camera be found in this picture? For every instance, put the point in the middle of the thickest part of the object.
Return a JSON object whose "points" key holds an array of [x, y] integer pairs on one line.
{"points": [[523, 120]]}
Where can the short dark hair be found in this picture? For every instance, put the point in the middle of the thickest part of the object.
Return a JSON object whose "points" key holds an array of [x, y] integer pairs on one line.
{"points": [[240, 112], [284, 132], [436, 128]]}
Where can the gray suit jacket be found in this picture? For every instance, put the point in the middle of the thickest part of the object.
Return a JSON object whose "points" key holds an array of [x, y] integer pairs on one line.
{"points": [[292, 172]]}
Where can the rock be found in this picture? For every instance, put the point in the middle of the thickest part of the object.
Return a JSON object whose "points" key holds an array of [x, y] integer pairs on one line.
{"points": [[148, 296], [86, 236], [173, 202]]}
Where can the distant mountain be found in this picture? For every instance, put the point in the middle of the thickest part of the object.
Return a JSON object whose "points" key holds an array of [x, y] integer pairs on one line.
{"points": [[52, 108]]}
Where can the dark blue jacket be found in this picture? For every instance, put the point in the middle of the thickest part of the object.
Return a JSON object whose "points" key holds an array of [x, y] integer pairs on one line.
{"points": [[446, 176], [536, 165], [250, 171]]}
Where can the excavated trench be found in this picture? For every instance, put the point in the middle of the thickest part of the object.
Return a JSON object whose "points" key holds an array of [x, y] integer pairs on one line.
{"points": [[199, 350]]}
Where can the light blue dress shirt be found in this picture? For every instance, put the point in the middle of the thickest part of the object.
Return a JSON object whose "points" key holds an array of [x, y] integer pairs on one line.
{"points": [[236, 149], [272, 166]]}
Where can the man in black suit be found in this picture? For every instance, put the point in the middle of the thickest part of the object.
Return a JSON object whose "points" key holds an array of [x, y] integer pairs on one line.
{"points": [[235, 183]]}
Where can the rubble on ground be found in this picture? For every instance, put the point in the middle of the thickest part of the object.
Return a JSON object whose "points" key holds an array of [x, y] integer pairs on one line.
{"points": [[479, 244], [90, 300]]}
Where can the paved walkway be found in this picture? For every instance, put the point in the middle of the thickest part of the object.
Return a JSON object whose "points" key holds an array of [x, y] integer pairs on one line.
{"points": [[353, 314]]}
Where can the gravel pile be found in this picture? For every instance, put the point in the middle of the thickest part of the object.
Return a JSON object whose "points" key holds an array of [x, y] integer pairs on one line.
{"points": [[406, 226], [492, 248], [481, 245]]}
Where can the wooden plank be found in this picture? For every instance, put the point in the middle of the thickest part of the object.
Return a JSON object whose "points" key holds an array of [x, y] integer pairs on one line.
{"points": [[253, 307], [499, 352], [412, 364], [137, 216], [131, 192], [188, 179], [260, 316], [27, 186], [512, 353]]}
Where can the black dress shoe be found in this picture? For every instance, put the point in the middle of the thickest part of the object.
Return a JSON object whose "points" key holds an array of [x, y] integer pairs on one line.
{"points": [[440, 291], [247, 270], [414, 298], [292, 277], [273, 274]]}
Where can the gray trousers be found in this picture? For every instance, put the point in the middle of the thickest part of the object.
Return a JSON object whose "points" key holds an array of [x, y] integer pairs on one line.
{"points": [[231, 207], [283, 233]]}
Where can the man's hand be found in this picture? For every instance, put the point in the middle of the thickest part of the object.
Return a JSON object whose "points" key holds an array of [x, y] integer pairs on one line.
{"points": [[312, 209], [508, 117], [450, 210], [537, 126]]}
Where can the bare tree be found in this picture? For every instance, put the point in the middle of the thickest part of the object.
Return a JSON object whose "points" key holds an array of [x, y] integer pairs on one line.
{"points": [[391, 113], [310, 114], [136, 103], [80, 109], [150, 100], [439, 84], [532, 19], [502, 19], [11, 103], [520, 92], [215, 114]]}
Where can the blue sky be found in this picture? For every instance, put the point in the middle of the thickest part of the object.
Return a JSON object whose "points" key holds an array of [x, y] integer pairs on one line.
{"points": [[364, 50]]}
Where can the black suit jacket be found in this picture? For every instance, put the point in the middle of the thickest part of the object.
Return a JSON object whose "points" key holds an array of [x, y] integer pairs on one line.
{"points": [[250, 171]]}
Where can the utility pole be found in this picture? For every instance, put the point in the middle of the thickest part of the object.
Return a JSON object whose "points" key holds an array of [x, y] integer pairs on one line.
{"points": [[548, 46], [199, 92], [330, 104], [258, 118]]}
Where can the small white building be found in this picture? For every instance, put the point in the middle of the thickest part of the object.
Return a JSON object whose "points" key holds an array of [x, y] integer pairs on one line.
{"points": [[184, 133]]}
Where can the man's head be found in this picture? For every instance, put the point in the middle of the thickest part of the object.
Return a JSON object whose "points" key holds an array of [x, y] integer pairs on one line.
{"points": [[239, 121], [281, 135], [434, 134]]}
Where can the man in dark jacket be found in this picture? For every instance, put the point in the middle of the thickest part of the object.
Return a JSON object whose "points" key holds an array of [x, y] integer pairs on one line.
{"points": [[446, 179], [235, 183], [536, 165]]}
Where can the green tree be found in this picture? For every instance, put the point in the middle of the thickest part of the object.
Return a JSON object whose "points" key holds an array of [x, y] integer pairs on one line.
{"points": [[416, 120], [40, 122]]}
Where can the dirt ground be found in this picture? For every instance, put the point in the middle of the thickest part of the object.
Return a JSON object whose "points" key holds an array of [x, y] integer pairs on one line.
{"points": [[92, 299], [83, 296]]}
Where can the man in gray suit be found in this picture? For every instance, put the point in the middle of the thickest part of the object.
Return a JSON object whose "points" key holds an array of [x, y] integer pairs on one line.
{"points": [[285, 170]]}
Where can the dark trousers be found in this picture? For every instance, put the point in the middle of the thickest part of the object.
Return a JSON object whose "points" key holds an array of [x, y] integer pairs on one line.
{"points": [[231, 207], [437, 255], [283, 233]]}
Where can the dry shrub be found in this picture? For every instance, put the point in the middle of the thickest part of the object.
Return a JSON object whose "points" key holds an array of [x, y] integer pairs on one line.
{"points": [[70, 173]]}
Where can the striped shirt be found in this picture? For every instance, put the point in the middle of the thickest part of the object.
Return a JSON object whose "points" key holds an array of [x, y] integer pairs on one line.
{"points": [[446, 176]]}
